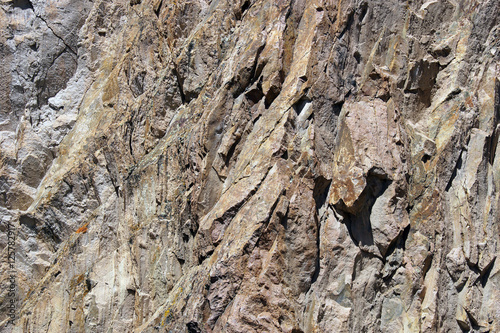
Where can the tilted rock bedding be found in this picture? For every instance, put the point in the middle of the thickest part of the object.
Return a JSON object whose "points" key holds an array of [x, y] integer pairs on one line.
{"points": [[251, 165]]}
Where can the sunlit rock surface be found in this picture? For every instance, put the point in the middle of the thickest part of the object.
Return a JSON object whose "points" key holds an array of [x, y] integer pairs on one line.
{"points": [[251, 166]]}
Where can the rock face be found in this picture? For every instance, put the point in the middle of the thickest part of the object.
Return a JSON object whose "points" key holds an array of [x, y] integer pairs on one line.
{"points": [[251, 166]]}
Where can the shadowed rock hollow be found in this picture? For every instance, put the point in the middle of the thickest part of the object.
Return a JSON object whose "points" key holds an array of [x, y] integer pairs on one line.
{"points": [[252, 165]]}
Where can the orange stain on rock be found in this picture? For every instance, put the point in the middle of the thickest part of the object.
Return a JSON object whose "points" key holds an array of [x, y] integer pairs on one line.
{"points": [[82, 229]]}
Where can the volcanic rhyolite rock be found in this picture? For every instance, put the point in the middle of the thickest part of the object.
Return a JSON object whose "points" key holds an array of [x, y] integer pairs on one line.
{"points": [[251, 166]]}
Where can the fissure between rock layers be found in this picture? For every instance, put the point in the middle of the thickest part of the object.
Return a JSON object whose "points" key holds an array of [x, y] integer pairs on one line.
{"points": [[251, 166]]}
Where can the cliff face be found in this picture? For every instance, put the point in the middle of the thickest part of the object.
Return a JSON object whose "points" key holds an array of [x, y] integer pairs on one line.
{"points": [[251, 166]]}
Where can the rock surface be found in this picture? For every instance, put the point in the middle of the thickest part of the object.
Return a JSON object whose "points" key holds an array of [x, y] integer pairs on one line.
{"points": [[251, 166]]}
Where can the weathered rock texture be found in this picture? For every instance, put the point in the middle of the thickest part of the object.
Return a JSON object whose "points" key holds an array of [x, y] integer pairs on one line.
{"points": [[251, 166]]}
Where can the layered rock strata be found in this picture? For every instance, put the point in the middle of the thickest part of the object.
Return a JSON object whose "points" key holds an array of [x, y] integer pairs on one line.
{"points": [[251, 166]]}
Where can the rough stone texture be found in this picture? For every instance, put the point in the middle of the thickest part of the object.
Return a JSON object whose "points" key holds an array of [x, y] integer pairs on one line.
{"points": [[251, 166]]}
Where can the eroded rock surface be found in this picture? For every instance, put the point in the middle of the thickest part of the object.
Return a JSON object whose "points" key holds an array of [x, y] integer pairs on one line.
{"points": [[251, 166]]}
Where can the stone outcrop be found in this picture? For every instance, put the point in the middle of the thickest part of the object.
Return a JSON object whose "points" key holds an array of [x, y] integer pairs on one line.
{"points": [[251, 166]]}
